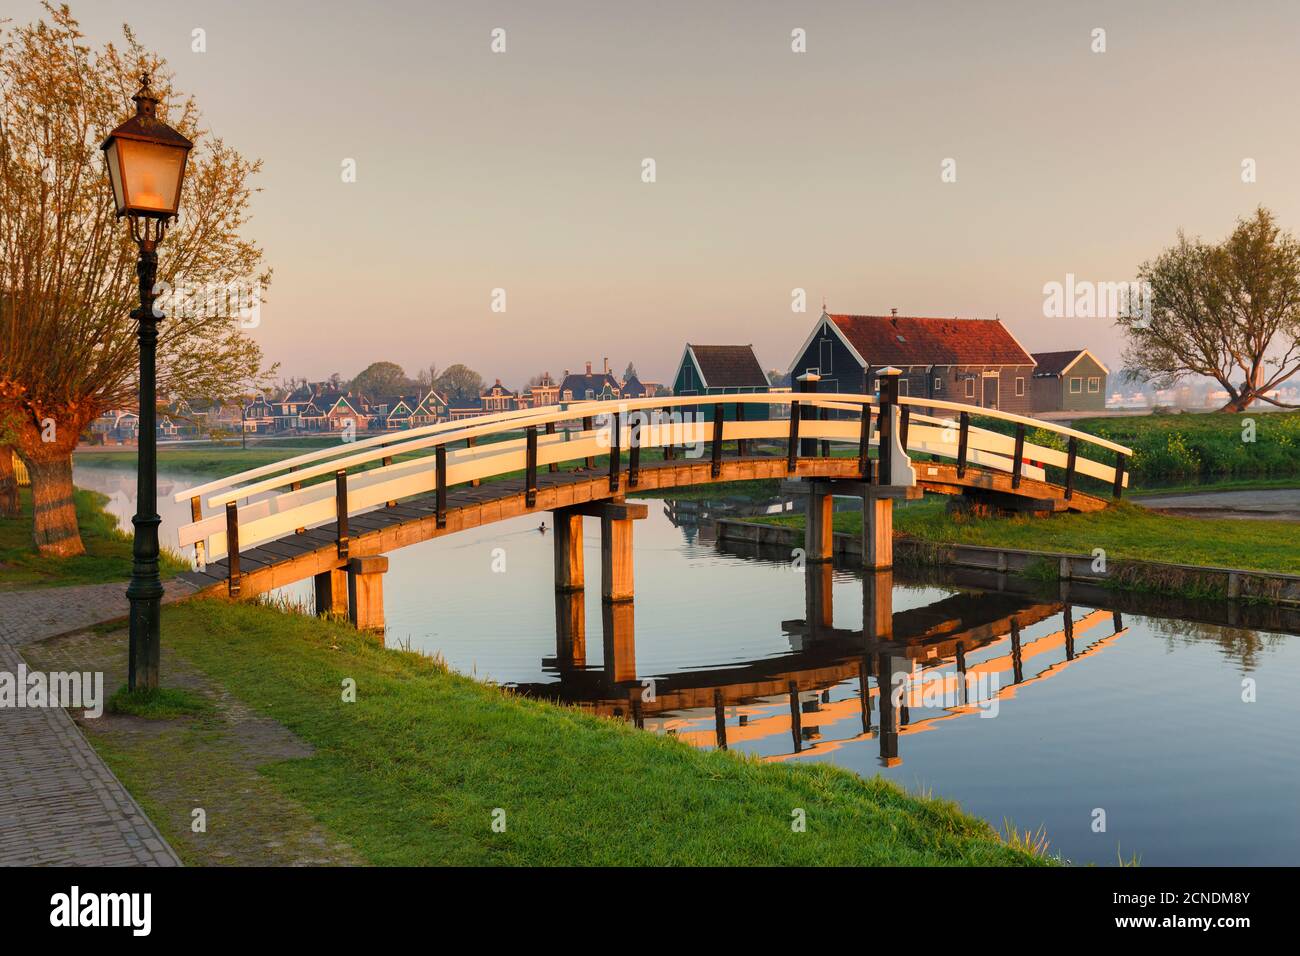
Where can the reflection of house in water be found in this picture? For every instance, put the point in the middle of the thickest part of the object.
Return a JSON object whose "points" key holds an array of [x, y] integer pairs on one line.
{"points": [[696, 517], [909, 671]]}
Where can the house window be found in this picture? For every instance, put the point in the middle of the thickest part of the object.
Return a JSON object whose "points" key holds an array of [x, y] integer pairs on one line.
{"points": [[688, 378], [970, 387], [938, 385], [826, 356], [902, 387], [1094, 384], [1020, 387], [1076, 386]]}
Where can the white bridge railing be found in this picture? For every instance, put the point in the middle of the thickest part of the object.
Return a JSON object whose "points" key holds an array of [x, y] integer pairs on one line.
{"points": [[277, 501]]}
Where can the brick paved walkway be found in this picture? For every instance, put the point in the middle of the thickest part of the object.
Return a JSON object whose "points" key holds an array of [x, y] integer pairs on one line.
{"points": [[27, 616], [59, 802]]}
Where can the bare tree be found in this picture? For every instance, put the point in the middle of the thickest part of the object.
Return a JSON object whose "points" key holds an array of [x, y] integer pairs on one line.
{"points": [[67, 266], [427, 376], [1229, 311]]}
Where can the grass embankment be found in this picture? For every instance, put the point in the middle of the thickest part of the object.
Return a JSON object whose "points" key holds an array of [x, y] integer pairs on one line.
{"points": [[1124, 530], [210, 458], [414, 771], [1204, 448], [107, 557]]}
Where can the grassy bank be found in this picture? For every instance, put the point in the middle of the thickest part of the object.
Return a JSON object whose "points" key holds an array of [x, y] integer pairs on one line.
{"points": [[414, 771], [107, 557], [1209, 447], [210, 458], [1124, 530]]}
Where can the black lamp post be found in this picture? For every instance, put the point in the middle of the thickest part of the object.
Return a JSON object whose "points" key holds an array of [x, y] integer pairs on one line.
{"points": [[146, 165]]}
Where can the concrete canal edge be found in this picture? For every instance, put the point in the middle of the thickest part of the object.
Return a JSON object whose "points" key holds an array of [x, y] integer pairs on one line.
{"points": [[1262, 587]]}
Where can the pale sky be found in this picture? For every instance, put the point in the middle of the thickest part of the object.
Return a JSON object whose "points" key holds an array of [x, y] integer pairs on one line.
{"points": [[775, 170]]}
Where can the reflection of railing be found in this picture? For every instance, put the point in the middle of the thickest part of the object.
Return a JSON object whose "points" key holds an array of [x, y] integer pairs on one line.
{"points": [[367, 475], [969, 642]]}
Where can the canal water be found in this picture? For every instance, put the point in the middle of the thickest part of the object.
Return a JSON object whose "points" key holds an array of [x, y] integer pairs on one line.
{"points": [[1121, 729]]}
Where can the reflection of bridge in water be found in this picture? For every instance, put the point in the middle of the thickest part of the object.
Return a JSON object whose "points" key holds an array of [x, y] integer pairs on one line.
{"points": [[955, 657]]}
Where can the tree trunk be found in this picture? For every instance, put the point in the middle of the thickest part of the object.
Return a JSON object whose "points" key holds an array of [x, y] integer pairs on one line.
{"points": [[54, 525], [49, 465], [1240, 403], [8, 484]]}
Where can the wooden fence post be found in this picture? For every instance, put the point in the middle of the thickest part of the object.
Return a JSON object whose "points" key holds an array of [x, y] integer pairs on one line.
{"points": [[715, 466], [550, 430], [864, 444], [440, 493], [963, 443], [792, 443], [615, 450], [1070, 463], [530, 467], [634, 450], [341, 511], [1018, 465], [232, 549]]}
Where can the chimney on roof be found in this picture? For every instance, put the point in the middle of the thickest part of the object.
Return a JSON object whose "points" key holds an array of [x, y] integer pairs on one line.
{"points": [[566, 373], [606, 364], [588, 368]]}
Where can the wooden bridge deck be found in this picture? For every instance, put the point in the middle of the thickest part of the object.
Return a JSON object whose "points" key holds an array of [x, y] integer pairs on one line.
{"points": [[295, 557]]}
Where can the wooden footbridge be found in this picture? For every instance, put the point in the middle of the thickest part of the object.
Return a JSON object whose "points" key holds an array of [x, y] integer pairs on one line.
{"points": [[332, 514]]}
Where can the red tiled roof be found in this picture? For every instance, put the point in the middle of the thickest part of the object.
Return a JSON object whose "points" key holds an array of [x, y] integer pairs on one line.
{"points": [[910, 340], [729, 366]]}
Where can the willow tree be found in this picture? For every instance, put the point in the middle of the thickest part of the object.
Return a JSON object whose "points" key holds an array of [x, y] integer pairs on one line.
{"points": [[1229, 311], [67, 265]]}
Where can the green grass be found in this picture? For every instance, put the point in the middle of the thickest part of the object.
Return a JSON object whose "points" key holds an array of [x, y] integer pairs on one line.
{"points": [[211, 458], [159, 703], [107, 557], [1124, 530], [1204, 447], [414, 770]]}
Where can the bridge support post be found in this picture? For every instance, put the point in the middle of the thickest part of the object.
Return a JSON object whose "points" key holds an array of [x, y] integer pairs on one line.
{"points": [[332, 592], [877, 533], [616, 559], [819, 532], [568, 551], [366, 592], [616, 519]]}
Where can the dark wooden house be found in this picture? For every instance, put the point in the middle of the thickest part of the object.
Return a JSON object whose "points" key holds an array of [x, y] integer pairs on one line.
{"points": [[721, 370], [1069, 381], [974, 361]]}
